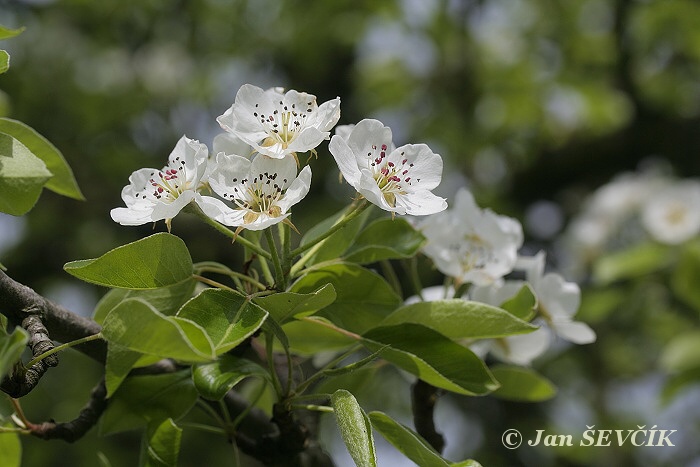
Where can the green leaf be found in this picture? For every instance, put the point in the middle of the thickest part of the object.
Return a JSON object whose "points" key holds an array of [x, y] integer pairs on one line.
{"points": [[684, 280], [156, 261], [682, 353], [631, 263], [460, 319], [7, 33], [119, 363], [523, 305], [338, 242], [385, 239], [136, 325], [522, 384], [355, 428], [363, 298], [466, 463], [677, 382], [11, 348], [4, 61], [146, 399], [410, 443], [432, 357], [306, 338], [10, 450], [164, 445], [63, 182], [228, 317], [214, 380], [22, 176], [286, 305], [167, 300]]}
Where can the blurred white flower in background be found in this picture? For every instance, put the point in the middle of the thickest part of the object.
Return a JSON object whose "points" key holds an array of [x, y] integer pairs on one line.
{"points": [[672, 216]]}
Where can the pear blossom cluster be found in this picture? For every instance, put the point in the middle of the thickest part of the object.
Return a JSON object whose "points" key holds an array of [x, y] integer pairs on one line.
{"points": [[479, 247], [253, 178]]}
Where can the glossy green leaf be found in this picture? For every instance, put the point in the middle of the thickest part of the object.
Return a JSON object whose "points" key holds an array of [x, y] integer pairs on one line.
{"points": [[63, 182], [432, 357], [119, 363], [285, 305], [522, 384], [682, 353], [136, 325], [11, 348], [10, 450], [363, 298], [684, 280], [4, 61], [163, 445], [459, 319], [385, 239], [355, 428], [634, 262], [156, 261], [523, 305], [410, 443], [228, 317], [338, 242], [214, 380], [22, 176], [146, 399], [167, 300], [7, 33]]}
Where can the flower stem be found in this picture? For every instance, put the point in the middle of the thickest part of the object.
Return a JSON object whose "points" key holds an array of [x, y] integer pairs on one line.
{"points": [[317, 408], [314, 245], [411, 267], [193, 208], [67, 345], [391, 276], [269, 338], [311, 379], [280, 281], [210, 266], [286, 241]]}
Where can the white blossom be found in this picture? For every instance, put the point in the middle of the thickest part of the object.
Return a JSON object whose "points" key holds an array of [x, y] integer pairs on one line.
{"points": [[472, 244], [673, 215], [154, 195], [557, 300], [398, 180], [277, 124], [260, 191]]}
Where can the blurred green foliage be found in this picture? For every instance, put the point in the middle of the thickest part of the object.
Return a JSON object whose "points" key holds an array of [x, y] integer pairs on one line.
{"points": [[524, 99]]}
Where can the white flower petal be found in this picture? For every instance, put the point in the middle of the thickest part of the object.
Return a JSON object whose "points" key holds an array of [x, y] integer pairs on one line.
{"points": [[575, 331], [523, 348], [345, 158], [297, 190]]}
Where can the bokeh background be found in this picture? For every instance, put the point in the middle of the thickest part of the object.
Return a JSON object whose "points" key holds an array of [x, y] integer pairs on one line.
{"points": [[533, 104]]}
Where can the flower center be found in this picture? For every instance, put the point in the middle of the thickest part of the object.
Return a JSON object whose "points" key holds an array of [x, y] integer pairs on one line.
{"points": [[284, 124], [391, 178], [476, 252], [676, 215], [261, 195]]}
